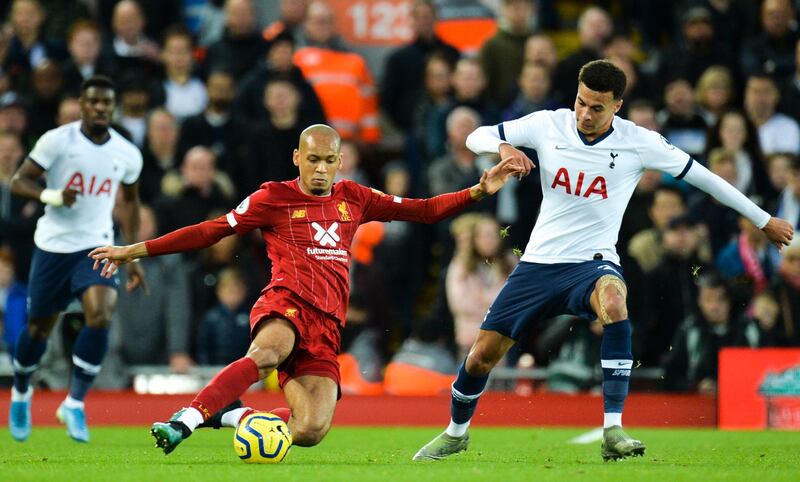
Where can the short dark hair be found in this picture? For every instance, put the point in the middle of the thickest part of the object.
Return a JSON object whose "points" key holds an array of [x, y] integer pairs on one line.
{"points": [[713, 279], [99, 81], [603, 76]]}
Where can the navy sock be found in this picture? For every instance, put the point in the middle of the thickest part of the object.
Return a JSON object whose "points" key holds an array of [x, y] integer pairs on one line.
{"points": [[466, 390], [28, 351], [616, 358], [87, 356]]}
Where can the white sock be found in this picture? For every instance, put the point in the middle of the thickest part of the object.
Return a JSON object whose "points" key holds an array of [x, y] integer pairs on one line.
{"points": [[21, 397], [70, 402], [610, 419], [191, 417], [232, 418], [457, 429]]}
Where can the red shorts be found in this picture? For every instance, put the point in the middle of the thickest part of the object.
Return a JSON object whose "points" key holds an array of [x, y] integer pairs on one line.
{"points": [[318, 335]]}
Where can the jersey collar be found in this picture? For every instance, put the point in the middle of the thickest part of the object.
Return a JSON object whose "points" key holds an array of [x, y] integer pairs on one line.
{"points": [[597, 140]]}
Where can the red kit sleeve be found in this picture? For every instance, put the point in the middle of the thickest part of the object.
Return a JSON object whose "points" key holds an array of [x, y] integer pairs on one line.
{"points": [[197, 236], [384, 207]]}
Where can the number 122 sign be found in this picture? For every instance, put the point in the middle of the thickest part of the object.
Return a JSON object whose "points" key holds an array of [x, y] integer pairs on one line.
{"points": [[375, 23]]}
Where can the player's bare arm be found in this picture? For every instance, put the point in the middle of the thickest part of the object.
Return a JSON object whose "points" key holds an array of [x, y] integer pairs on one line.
{"points": [[24, 184], [129, 219], [495, 178]]}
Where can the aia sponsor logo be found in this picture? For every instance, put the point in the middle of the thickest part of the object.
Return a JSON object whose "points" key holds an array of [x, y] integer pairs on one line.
{"points": [[91, 186], [596, 187]]}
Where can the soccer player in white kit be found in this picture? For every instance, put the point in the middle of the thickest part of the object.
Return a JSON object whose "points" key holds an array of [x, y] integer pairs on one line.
{"points": [[86, 163], [590, 162]]}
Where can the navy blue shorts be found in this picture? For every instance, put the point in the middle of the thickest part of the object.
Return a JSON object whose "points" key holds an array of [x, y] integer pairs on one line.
{"points": [[536, 292], [57, 278]]}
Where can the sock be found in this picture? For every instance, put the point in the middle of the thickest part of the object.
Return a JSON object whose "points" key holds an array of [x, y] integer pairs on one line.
{"points": [[70, 402], [190, 417], [282, 412], [17, 396], [28, 352], [87, 356], [232, 418], [228, 385], [465, 392], [616, 358]]}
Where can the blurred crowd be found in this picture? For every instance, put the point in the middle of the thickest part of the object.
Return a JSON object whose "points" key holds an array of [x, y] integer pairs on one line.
{"points": [[216, 98]]}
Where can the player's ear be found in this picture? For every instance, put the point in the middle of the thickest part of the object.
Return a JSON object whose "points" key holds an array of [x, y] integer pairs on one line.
{"points": [[296, 158], [618, 106]]}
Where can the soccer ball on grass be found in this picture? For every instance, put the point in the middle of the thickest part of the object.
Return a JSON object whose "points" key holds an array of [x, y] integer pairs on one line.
{"points": [[262, 438]]}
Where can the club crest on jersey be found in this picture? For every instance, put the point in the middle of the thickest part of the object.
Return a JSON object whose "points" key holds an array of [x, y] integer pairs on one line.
{"points": [[613, 158], [290, 312], [326, 237], [93, 188], [597, 186], [298, 214], [344, 212]]}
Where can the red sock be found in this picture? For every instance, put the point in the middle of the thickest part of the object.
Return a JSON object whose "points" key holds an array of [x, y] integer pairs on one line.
{"points": [[227, 386], [283, 413]]}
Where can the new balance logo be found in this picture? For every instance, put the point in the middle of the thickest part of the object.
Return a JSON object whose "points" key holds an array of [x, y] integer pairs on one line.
{"points": [[326, 237]]}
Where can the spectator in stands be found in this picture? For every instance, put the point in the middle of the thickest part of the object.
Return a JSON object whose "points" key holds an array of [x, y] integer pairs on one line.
{"points": [[645, 247], [714, 92], [772, 50], [14, 118], [720, 220], [642, 112], [45, 97], [502, 55], [779, 169], [403, 77], [129, 48], [160, 334], [438, 93], [761, 329], [789, 199], [736, 134], [790, 89], [638, 85], [692, 362], [69, 110], [134, 102], [27, 47], [748, 263], [158, 15], [13, 302], [671, 285], [292, 14], [534, 92], [459, 167], [469, 90], [159, 155], [249, 101], [541, 48], [680, 119], [274, 139], [224, 332], [637, 215], [241, 47], [787, 293], [594, 29], [351, 164], [201, 191], [474, 278], [698, 51], [18, 216], [733, 21], [776, 132], [218, 127], [84, 44], [341, 79], [184, 94]]}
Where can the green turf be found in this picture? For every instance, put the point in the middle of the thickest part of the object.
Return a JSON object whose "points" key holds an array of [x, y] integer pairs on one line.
{"points": [[384, 454]]}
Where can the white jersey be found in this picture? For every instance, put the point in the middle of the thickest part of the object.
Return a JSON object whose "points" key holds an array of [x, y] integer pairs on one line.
{"points": [[587, 185], [95, 170]]}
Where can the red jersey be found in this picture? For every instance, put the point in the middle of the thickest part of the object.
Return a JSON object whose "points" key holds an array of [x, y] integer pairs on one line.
{"points": [[308, 237]]}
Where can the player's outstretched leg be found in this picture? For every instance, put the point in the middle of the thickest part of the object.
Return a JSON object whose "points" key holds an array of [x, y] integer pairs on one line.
{"points": [[27, 353]]}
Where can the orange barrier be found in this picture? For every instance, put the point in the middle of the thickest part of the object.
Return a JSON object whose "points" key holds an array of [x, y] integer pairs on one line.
{"points": [[352, 382], [404, 379]]}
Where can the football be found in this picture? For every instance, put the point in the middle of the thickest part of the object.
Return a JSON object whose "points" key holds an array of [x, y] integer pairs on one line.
{"points": [[262, 438]]}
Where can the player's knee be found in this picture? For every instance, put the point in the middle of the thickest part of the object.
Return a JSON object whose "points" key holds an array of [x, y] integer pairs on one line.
{"points": [[266, 359], [614, 305], [310, 432], [480, 361]]}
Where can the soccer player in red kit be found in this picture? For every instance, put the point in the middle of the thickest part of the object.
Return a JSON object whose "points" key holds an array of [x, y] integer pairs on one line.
{"points": [[308, 225]]}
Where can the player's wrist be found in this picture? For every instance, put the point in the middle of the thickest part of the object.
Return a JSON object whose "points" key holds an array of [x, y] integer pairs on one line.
{"points": [[53, 197]]}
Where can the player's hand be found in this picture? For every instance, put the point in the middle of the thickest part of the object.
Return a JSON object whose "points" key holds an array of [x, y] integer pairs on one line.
{"points": [[180, 363], [517, 157], [136, 278], [70, 196], [110, 258], [496, 177], [779, 232]]}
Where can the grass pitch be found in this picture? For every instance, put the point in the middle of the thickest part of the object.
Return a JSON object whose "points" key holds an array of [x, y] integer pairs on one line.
{"points": [[384, 454]]}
